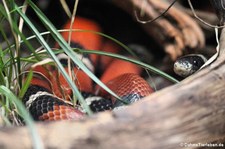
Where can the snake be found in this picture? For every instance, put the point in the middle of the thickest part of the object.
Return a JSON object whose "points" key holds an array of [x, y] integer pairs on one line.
{"points": [[49, 97], [189, 64]]}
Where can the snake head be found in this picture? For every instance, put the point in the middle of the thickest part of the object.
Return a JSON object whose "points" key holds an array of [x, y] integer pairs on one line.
{"points": [[189, 64]]}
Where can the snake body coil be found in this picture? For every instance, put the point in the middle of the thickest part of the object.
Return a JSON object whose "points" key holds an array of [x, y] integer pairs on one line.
{"points": [[49, 96]]}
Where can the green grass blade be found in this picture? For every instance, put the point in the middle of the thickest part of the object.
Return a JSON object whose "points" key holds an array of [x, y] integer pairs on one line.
{"points": [[63, 44], [144, 65], [26, 85], [59, 65], [152, 69]]}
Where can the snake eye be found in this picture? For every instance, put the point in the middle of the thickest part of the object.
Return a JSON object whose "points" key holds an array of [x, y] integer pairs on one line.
{"points": [[199, 62]]}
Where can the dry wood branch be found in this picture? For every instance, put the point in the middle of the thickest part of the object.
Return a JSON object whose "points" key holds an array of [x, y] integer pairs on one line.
{"points": [[175, 31], [204, 15], [163, 120]]}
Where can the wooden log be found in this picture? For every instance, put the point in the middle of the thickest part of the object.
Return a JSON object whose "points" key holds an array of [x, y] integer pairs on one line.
{"points": [[191, 111]]}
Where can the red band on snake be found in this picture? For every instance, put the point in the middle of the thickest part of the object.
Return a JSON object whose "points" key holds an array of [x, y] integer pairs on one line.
{"points": [[46, 98]]}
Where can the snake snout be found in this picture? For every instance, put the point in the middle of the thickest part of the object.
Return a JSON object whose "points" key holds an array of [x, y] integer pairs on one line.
{"points": [[183, 69], [189, 64]]}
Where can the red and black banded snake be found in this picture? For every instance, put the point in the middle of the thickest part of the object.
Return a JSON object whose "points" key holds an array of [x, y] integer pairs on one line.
{"points": [[48, 93]]}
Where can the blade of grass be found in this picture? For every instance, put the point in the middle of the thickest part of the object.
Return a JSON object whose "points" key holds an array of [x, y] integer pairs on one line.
{"points": [[144, 65], [72, 19], [11, 18], [2, 80], [65, 7], [15, 60], [10, 51], [59, 65], [5, 112], [63, 44], [116, 41], [25, 85], [118, 56], [17, 30]]}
